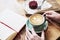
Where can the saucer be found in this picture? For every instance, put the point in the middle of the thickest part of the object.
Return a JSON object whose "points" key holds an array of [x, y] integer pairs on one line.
{"points": [[46, 5], [30, 26]]}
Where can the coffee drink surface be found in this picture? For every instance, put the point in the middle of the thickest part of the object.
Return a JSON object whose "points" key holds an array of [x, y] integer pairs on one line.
{"points": [[36, 19]]}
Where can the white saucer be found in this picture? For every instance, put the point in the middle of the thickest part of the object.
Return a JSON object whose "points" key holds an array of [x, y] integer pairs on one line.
{"points": [[45, 6]]}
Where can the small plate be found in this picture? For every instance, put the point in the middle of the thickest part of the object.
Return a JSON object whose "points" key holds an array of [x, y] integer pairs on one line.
{"points": [[46, 5], [30, 26]]}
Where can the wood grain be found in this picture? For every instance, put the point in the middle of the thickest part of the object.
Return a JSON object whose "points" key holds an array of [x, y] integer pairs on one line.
{"points": [[53, 31], [21, 34]]}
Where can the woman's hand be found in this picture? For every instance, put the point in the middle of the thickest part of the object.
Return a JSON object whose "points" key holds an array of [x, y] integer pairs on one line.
{"points": [[33, 36], [52, 15]]}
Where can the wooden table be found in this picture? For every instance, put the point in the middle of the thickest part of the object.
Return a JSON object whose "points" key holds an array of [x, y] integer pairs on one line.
{"points": [[53, 31]]}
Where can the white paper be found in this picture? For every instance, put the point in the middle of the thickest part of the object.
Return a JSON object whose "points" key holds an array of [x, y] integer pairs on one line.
{"points": [[5, 32], [45, 6], [13, 19]]}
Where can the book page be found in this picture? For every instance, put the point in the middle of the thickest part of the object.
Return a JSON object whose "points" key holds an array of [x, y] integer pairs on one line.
{"points": [[13, 19]]}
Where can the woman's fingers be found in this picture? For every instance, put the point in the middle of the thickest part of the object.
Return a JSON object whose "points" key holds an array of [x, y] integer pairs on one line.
{"points": [[28, 34], [50, 16], [48, 12], [42, 35], [33, 36], [26, 38], [33, 31]]}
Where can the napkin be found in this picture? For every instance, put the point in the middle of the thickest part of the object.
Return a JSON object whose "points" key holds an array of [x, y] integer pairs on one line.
{"points": [[45, 6], [10, 24]]}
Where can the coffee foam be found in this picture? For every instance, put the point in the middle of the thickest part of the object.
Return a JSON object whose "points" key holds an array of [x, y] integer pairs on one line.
{"points": [[37, 19]]}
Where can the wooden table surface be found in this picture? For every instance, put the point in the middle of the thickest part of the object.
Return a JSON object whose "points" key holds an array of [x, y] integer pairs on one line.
{"points": [[53, 31]]}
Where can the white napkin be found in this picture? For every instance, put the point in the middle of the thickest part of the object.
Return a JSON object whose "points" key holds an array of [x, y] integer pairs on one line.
{"points": [[45, 6]]}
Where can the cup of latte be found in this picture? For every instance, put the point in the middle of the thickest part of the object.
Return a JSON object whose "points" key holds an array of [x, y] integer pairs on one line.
{"points": [[38, 22]]}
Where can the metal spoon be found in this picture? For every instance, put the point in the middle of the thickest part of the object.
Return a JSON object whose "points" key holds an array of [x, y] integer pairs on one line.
{"points": [[41, 5]]}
